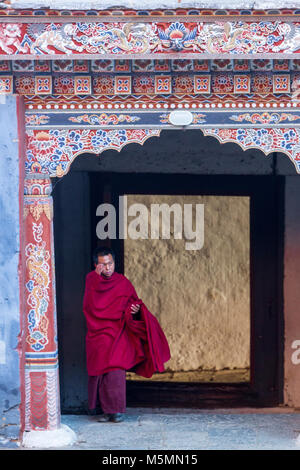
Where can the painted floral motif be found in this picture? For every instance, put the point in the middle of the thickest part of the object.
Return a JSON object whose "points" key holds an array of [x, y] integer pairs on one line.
{"points": [[183, 84], [242, 84], [43, 84], [177, 36], [222, 83], [104, 85], [123, 85], [52, 151], [6, 84], [281, 83], [103, 119], [163, 84], [202, 83], [82, 85], [261, 83], [36, 119], [143, 84], [64, 84], [268, 140], [25, 85], [264, 118], [199, 118]]}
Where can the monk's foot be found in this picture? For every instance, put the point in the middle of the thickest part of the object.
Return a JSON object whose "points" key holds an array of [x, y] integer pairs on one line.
{"points": [[117, 417], [94, 412], [104, 418]]}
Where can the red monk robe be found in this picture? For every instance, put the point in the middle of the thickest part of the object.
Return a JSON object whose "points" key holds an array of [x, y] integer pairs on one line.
{"points": [[115, 340]]}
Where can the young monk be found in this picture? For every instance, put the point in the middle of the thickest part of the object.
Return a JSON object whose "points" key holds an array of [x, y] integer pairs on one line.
{"points": [[122, 334]]}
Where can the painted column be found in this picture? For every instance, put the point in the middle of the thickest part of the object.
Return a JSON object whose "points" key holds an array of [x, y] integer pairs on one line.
{"points": [[42, 404]]}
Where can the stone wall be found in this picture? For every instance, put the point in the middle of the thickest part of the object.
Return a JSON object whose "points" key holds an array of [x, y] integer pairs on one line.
{"points": [[200, 297]]}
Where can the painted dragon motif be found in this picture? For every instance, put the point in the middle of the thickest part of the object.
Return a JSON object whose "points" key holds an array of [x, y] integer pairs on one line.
{"points": [[132, 36], [37, 286]]}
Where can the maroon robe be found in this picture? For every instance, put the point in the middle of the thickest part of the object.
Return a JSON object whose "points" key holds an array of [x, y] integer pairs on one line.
{"points": [[115, 340]]}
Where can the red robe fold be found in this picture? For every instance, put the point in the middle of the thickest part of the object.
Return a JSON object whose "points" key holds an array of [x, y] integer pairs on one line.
{"points": [[115, 340]]}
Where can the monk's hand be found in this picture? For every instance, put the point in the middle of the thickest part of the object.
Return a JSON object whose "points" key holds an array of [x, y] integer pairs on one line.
{"points": [[135, 308], [99, 268]]}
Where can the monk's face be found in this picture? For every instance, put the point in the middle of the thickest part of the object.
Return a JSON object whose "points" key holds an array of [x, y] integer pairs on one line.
{"points": [[107, 265]]}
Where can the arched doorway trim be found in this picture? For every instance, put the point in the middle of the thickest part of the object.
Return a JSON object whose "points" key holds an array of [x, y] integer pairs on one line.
{"points": [[268, 140], [52, 151]]}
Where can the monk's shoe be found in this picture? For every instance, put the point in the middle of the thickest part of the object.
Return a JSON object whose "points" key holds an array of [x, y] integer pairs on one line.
{"points": [[117, 417], [104, 418]]}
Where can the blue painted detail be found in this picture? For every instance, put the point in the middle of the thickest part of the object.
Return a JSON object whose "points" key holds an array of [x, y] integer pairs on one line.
{"points": [[43, 355], [157, 118], [9, 255]]}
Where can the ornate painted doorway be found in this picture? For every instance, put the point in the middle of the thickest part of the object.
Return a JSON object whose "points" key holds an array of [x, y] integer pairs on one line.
{"points": [[102, 81], [76, 200]]}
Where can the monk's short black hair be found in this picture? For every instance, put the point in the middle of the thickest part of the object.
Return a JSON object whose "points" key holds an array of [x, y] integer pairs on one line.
{"points": [[102, 251]]}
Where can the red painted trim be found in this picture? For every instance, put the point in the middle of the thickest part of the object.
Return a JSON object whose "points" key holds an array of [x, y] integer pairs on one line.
{"points": [[21, 268]]}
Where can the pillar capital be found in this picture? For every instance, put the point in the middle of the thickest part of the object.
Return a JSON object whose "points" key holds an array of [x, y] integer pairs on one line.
{"points": [[37, 184], [37, 196]]}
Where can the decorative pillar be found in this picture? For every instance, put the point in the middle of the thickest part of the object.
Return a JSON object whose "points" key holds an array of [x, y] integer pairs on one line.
{"points": [[42, 402], [41, 360]]}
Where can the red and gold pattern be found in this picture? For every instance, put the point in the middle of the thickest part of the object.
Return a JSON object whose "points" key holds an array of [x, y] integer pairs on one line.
{"points": [[153, 38], [42, 409]]}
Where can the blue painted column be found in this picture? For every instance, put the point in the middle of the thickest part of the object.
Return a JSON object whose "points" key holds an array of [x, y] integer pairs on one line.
{"points": [[9, 278]]}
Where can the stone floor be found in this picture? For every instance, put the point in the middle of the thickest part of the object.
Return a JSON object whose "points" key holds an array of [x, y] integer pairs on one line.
{"points": [[169, 429]]}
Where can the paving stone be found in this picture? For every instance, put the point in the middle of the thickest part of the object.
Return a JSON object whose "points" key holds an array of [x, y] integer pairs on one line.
{"points": [[182, 429]]}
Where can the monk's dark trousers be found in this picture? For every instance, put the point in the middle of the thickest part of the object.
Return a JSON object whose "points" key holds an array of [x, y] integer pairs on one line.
{"points": [[108, 390]]}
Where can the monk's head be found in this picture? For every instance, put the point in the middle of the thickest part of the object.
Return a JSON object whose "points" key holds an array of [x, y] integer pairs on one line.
{"points": [[105, 258]]}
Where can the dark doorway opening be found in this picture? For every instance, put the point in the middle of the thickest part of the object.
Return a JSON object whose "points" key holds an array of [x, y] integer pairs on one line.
{"points": [[76, 199]]}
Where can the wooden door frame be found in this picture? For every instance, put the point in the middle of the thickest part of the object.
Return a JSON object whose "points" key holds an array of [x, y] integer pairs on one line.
{"points": [[266, 264]]}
